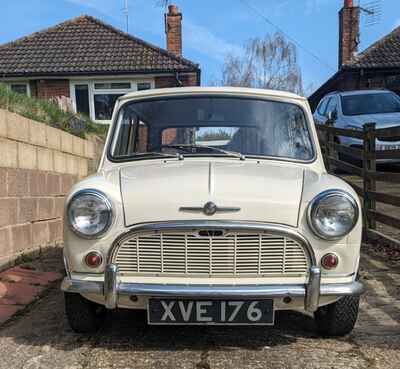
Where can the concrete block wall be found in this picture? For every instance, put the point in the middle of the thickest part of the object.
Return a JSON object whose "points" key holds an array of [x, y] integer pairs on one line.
{"points": [[38, 166]]}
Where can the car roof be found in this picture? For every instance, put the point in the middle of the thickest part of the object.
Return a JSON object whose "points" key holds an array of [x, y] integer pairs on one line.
{"points": [[359, 92], [210, 91]]}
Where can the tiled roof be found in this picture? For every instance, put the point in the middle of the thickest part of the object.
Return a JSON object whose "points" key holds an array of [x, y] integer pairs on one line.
{"points": [[384, 53], [83, 46]]}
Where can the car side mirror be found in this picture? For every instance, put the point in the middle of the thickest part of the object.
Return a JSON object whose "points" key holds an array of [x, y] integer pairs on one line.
{"points": [[332, 115]]}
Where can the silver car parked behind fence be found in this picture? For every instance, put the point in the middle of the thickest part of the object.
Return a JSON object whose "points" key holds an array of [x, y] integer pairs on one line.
{"points": [[353, 109]]}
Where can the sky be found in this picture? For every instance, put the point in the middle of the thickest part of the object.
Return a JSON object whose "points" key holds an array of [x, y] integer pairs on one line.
{"points": [[213, 28]]}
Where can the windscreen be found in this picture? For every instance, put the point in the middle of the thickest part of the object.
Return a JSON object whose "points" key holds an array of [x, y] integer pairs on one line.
{"points": [[379, 103], [217, 126]]}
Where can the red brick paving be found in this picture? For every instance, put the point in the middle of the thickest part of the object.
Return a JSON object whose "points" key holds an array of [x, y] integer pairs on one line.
{"points": [[7, 311], [19, 287], [17, 293]]}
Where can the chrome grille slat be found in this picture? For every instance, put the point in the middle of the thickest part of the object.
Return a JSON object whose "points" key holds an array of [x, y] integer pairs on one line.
{"points": [[188, 254]]}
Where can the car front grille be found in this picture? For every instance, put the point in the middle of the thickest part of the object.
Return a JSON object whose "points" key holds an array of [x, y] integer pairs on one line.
{"points": [[217, 255]]}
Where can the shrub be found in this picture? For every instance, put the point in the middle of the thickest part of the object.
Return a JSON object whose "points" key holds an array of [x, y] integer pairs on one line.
{"points": [[49, 112]]}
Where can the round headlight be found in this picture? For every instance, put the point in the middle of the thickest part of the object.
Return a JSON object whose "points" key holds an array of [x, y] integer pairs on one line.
{"points": [[89, 213], [332, 214]]}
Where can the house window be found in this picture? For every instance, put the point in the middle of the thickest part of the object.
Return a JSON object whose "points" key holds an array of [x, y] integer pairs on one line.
{"points": [[113, 86], [104, 105], [143, 86], [20, 88], [97, 98], [82, 99]]}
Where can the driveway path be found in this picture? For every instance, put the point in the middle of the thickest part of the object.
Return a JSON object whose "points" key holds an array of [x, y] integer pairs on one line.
{"points": [[41, 338]]}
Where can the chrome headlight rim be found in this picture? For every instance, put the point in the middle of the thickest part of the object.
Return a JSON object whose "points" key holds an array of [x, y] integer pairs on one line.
{"points": [[322, 196], [103, 197]]}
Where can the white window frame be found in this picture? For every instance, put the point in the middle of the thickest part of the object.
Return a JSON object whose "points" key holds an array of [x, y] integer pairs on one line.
{"points": [[92, 91], [26, 83]]}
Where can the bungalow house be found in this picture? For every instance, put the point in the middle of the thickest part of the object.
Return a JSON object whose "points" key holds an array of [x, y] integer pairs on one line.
{"points": [[376, 67], [92, 63]]}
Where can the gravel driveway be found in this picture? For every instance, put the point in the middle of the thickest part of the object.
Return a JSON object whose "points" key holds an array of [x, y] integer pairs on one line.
{"points": [[41, 338]]}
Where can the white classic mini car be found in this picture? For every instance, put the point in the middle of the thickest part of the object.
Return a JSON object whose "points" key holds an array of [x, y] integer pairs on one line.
{"points": [[212, 206]]}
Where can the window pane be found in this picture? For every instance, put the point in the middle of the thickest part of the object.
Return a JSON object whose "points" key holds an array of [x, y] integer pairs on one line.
{"points": [[113, 86], [322, 107], [104, 105], [331, 106], [206, 125], [144, 86], [82, 99], [379, 103], [20, 88]]}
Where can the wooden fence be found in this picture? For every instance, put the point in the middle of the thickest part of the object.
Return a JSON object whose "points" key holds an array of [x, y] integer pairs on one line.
{"points": [[361, 160]]}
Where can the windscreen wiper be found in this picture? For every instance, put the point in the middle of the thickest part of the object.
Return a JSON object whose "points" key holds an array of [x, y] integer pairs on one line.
{"points": [[156, 153], [194, 146]]}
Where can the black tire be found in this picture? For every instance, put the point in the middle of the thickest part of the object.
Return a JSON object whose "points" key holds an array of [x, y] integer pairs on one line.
{"points": [[339, 318], [83, 315]]}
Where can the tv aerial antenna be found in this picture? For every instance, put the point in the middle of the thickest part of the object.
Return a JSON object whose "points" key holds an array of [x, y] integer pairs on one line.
{"points": [[125, 11], [372, 10]]}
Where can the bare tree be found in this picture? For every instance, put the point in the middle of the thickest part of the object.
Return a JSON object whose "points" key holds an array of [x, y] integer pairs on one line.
{"points": [[162, 3], [270, 63]]}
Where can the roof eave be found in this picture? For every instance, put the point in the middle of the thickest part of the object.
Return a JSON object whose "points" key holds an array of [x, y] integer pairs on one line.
{"points": [[97, 73]]}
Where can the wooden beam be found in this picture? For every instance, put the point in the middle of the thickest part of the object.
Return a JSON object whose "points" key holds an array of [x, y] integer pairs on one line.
{"points": [[378, 237], [384, 197], [383, 218]]}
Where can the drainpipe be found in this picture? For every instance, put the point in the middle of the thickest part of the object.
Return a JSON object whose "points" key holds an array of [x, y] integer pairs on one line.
{"points": [[179, 83]]}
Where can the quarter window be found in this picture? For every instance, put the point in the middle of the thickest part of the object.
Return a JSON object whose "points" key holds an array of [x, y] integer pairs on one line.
{"points": [[331, 106], [322, 106]]}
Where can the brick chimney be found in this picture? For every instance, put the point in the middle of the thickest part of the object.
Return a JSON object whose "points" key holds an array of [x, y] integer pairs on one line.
{"points": [[173, 30], [349, 30]]}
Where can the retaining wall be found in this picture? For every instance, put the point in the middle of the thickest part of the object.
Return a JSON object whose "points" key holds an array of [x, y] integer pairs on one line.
{"points": [[38, 166]]}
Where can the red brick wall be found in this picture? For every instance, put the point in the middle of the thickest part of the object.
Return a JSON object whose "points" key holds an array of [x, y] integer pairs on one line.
{"points": [[52, 87], [189, 79], [173, 30], [31, 210], [349, 28]]}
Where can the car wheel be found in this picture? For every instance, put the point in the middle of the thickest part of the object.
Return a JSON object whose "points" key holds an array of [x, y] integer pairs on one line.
{"points": [[83, 315], [339, 318]]}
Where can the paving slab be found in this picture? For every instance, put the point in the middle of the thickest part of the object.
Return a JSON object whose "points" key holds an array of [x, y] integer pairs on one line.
{"points": [[24, 275], [20, 286], [18, 293]]}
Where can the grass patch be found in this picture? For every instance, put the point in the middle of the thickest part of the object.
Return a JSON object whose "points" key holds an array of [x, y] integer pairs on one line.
{"points": [[49, 112]]}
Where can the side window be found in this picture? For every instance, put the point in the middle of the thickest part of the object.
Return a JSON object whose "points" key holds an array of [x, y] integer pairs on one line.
{"points": [[332, 106], [322, 106]]}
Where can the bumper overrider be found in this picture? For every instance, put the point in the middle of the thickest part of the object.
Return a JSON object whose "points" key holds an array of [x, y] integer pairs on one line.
{"points": [[112, 288]]}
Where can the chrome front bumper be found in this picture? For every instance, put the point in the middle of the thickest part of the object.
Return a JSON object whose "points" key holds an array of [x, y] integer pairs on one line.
{"points": [[112, 288]]}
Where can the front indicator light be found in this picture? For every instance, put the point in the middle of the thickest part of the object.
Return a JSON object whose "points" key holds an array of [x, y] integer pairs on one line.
{"points": [[329, 261], [93, 259]]}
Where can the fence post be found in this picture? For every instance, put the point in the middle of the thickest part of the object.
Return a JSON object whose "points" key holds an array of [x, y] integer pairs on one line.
{"points": [[369, 164], [329, 149]]}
